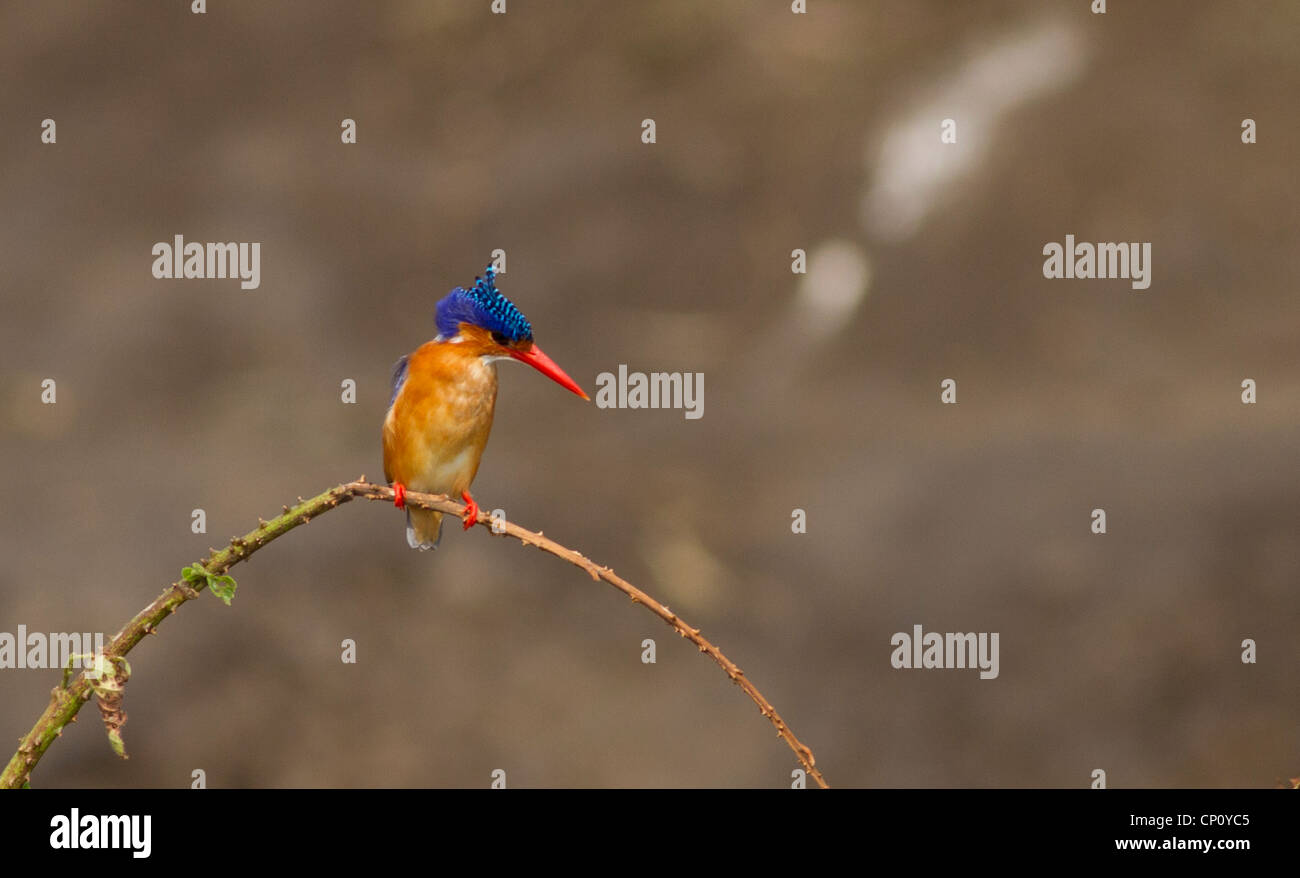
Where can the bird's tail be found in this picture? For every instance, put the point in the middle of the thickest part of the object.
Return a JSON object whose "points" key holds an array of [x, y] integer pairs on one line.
{"points": [[423, 529]]}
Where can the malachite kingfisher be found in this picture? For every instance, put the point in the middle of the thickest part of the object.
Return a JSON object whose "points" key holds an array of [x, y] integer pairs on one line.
{"points": [[444, 395]]}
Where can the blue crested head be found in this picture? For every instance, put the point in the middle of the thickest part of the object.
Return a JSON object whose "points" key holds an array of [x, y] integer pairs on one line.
{"points": [[482, 305]]}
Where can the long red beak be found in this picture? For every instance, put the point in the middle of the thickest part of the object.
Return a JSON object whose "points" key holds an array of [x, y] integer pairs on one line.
{"points": [[544, 364]]}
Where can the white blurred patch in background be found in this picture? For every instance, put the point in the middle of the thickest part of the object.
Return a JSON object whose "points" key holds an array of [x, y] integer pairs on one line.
{"points": [[824, 301], [912, 168], [838, 278]]}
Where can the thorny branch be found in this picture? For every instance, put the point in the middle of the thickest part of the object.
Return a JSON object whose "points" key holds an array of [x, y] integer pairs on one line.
{"points": [[67, 698]]}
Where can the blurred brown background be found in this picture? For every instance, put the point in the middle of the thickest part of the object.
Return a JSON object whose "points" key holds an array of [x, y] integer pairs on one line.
{"points": [[775, 131]]}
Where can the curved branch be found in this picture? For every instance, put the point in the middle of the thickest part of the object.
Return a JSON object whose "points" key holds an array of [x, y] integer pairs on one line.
{"points": [[66, 700]]}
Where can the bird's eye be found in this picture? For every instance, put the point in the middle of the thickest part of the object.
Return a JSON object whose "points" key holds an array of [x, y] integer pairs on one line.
{"points": [[500, 338]]}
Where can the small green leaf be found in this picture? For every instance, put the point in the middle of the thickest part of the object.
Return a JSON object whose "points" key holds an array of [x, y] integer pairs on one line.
{"points": [[223, 587]]}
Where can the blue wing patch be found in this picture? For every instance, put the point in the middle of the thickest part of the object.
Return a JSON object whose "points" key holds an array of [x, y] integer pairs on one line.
{"points": [[399, 378]]}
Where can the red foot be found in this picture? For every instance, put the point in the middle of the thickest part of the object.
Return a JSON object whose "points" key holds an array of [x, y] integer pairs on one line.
{"points": [[471, 510], [399, 495]]}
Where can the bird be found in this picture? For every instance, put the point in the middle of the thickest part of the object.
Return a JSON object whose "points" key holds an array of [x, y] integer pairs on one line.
{"points": [[444, 397]]}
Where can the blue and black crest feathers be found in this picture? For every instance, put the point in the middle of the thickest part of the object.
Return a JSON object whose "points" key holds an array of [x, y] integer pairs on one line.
{"points": [[482, 305]]}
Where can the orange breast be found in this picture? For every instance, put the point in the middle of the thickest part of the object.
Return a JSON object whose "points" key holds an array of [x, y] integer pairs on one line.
{"points": [[438, 426]]}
